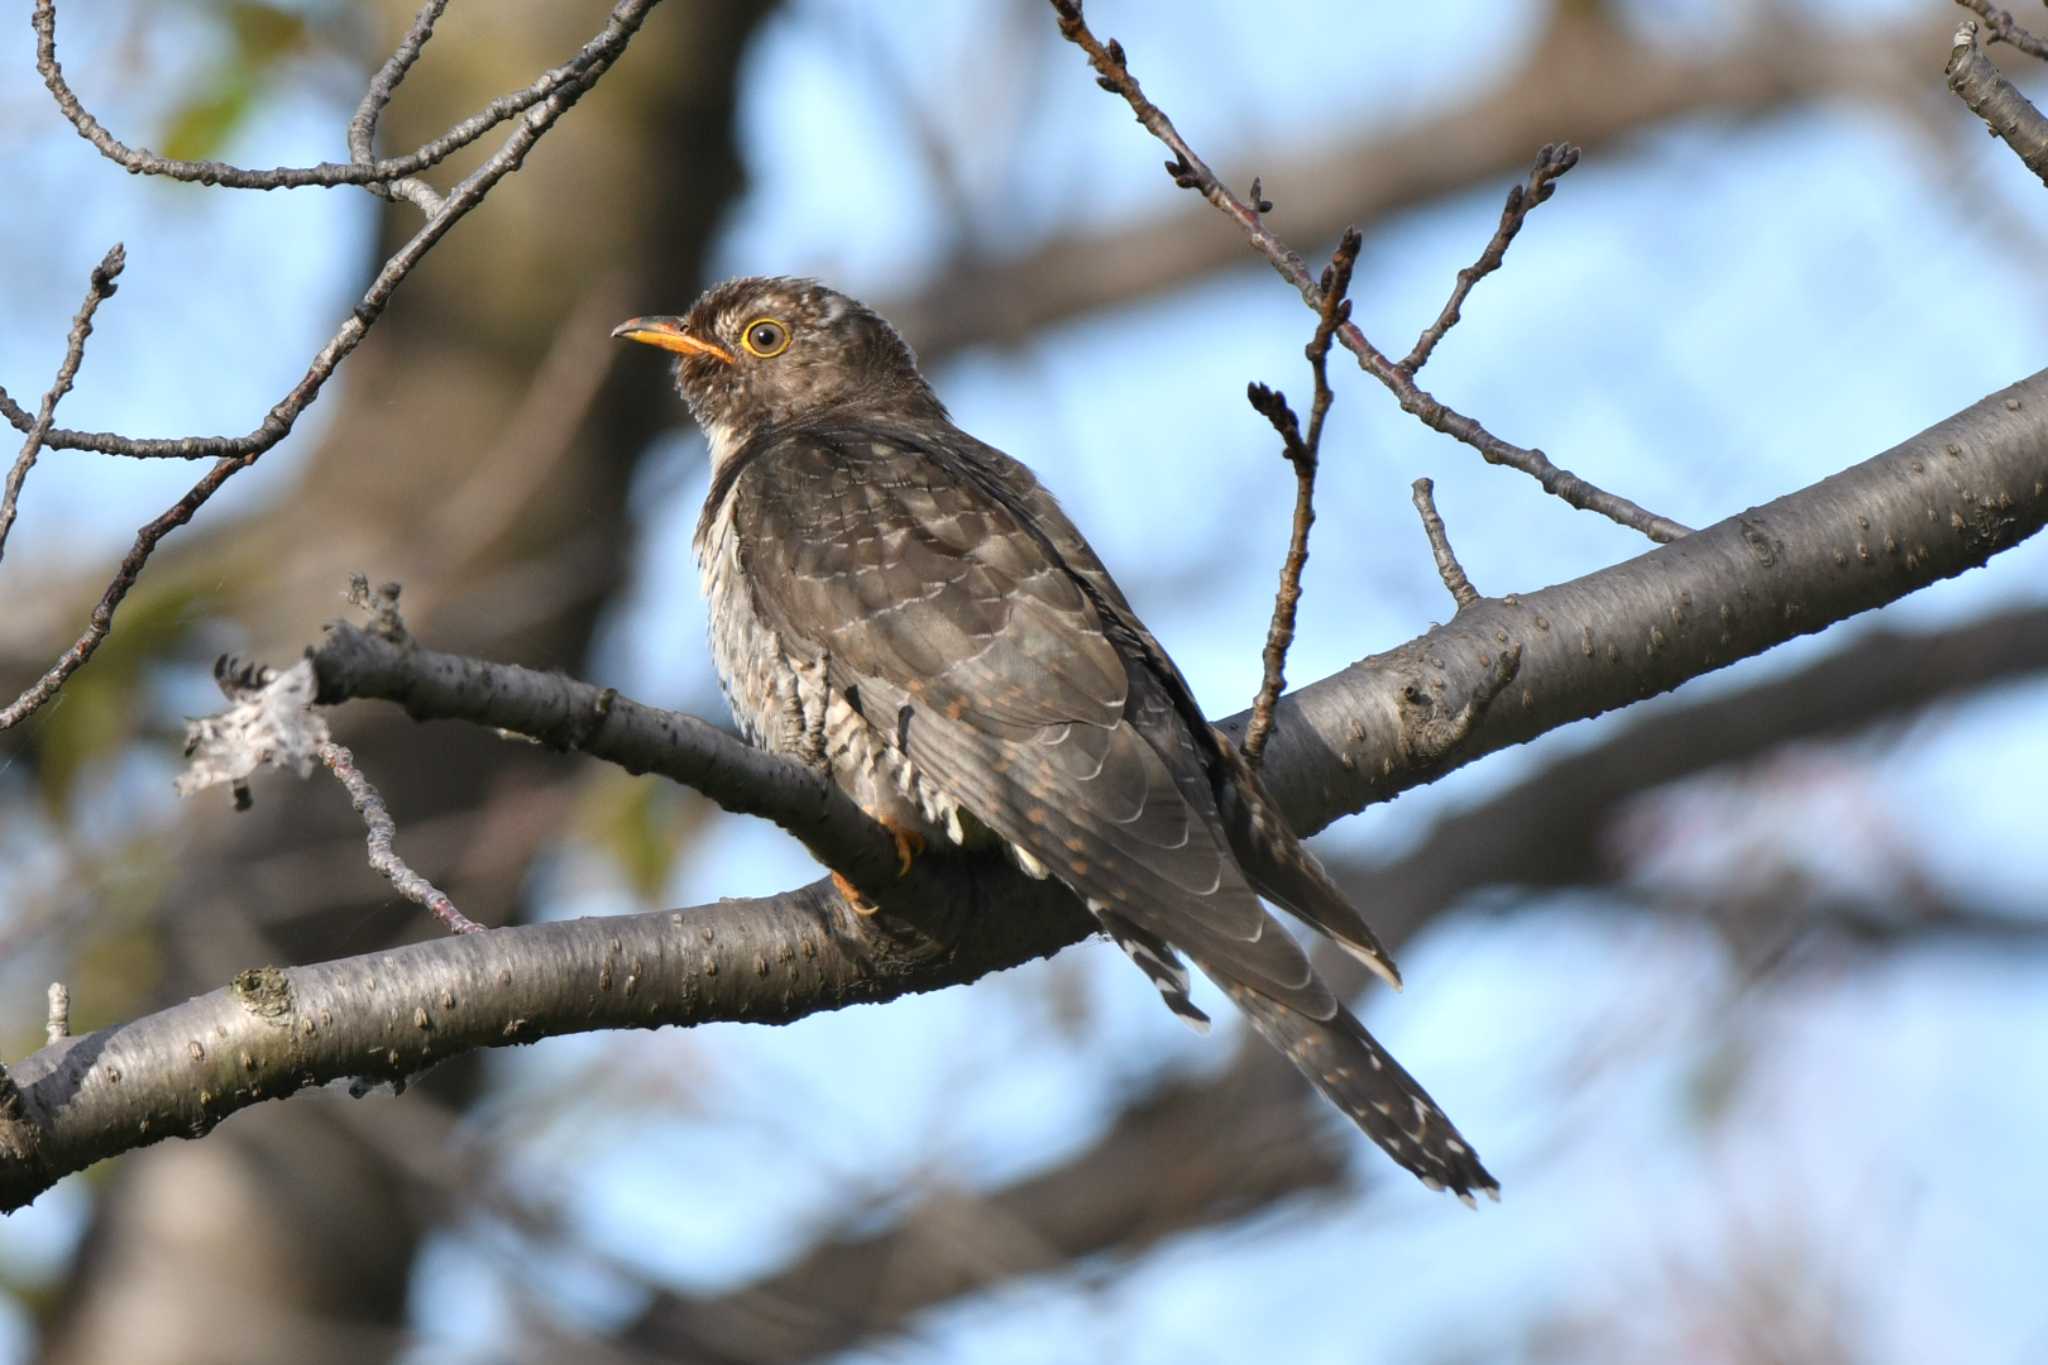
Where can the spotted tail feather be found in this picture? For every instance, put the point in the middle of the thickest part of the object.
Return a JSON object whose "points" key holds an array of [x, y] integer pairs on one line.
{"points": [[1357, 1075], [1156, 958]]}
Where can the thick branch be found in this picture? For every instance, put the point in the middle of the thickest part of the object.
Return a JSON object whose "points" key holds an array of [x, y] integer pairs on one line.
{"points": [[570, 715], [386, 1016], [1135, 1184], [1944, 501], [1929, 508]]}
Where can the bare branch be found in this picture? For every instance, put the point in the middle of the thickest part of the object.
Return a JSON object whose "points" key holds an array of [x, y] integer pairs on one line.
{"points": [[101, 621], [101, 286], [577, 716], [1447, 566], [382, 831], [327, 174], [1861, 538], [2005, 30], [272, 724], [1993, 98], [1419, 155], [1190, 172], [1549, 830], [362, 129], [1302, 452], [553, 94], [1552, 162], [1934, 505], [236, 454]]}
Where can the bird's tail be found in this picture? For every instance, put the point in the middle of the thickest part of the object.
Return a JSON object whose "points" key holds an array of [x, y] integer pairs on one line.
{"points": [[1359, 1076], [1281, 868]]}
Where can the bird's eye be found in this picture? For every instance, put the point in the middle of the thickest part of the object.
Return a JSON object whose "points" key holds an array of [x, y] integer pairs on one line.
{"points": [[766, 338]]}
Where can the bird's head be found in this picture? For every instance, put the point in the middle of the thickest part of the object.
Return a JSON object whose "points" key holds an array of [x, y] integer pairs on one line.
{"points": [[765, 351]]}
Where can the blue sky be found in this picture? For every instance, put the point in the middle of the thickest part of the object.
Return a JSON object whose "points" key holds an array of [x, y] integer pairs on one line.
{"points": [[1709, 317]]}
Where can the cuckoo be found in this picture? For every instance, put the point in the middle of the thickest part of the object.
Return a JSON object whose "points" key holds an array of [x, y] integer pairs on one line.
{"points": [[908, 610]]}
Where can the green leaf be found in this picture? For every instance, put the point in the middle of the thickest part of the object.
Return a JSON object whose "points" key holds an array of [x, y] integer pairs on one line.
{"points": [[202, 125]]}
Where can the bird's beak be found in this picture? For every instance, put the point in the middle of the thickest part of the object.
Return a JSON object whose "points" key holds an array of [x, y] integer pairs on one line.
{"points": [[668, 334]]}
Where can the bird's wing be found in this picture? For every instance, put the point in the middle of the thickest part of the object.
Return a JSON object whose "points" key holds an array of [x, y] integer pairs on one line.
{"points": [[1267, 850], [951, 618]]}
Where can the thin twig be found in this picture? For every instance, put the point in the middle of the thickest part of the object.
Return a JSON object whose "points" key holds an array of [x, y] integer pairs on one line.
{"points": [[382, 831], [2004, 29], [542, 102], [102, 286], [324, 175], [1191, 172], [1447, 566], [239, 453], [1552, 162], [362, 129], [1303, 452]]}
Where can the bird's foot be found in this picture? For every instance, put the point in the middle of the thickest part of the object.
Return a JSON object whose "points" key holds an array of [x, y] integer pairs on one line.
{"points": [[855, 901], [909, 843]]}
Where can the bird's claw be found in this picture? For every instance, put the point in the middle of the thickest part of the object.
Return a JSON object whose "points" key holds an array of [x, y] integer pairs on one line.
{"points": [[909, 843], [855, 901]]}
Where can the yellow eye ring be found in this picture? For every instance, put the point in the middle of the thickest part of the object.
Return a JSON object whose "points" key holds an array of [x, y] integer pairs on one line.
{"points": [[765, 338]]}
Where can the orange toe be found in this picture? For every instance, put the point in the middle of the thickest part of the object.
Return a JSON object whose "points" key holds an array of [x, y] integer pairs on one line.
{"points": [[855, 901], [909, 843]]}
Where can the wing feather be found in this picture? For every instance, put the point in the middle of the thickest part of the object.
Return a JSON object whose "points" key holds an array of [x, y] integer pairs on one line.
{"points": [[901, 566]]}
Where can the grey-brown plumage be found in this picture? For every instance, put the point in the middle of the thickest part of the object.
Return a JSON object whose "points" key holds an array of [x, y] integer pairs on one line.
{"points": [[905, 607]]}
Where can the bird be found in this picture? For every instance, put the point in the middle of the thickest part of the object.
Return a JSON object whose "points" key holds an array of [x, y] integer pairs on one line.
{"points": [[907, 610]]}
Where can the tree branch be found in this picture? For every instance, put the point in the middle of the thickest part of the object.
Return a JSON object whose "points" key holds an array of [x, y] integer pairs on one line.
{"points": [[1588, 74], [101, 286], [330, 174], [1929, 508], [362, 129], [1551, 163], [1139, 1183], [565, 714], [1302, 451], [1976, 79], [232, 455], [381, 837], [1447, 566], [551, 96], [1189, 171], [1934, 505], [2005, 30]]}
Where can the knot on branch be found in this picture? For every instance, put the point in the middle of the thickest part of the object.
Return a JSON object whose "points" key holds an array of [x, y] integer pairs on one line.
{"points": [[381, 606], [1430, 733]]}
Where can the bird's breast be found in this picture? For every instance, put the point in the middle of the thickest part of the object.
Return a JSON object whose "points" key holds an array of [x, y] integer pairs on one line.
{"points": [[785, 701]]}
